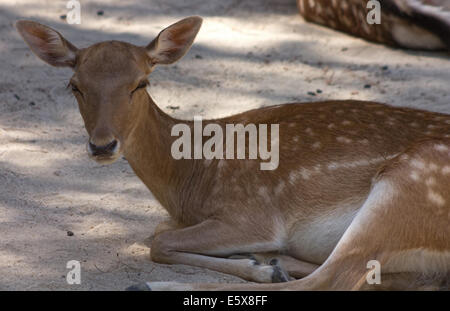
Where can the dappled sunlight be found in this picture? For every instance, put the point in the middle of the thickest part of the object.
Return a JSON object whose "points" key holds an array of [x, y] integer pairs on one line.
{"points": [[24, 156]]}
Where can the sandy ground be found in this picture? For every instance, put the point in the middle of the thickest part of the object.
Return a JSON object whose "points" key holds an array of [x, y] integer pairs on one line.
{"points": [[248, 54]]}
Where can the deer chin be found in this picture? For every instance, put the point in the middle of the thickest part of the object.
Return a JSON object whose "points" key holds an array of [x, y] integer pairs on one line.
{"points": [[104, 160]]}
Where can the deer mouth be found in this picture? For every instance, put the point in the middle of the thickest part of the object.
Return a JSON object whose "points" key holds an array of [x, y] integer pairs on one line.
{"points": [[106, 154]]}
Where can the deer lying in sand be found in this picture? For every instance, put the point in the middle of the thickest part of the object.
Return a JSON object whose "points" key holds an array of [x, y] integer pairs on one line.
{"points": [[357, 181], [412, 24]]}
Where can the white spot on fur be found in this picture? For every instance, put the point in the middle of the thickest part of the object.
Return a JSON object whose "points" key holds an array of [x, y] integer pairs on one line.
{"points": [[364, 141], [446, 170], [262, 191], [317, 145], [414, 176], [419, 164], [343, 139], [305, 173], [292, 177], [279, 188], [404, 157], [333, 166], [436, 198], [358, 163], [391, 123], [441, 147]]}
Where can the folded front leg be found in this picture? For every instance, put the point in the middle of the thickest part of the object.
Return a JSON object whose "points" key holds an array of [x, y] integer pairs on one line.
{"points": [[204, 244]]}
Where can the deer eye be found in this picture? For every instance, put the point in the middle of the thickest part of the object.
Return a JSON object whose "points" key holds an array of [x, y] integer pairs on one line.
{"points": [[74, 88], [141, 85]]}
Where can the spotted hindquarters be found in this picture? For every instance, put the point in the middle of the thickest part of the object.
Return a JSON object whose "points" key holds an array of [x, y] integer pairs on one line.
{"points": [[415, 24]]}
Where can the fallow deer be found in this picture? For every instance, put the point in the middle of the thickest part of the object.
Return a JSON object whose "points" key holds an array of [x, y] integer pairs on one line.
{"points": [[413, 24], [357, 181]]}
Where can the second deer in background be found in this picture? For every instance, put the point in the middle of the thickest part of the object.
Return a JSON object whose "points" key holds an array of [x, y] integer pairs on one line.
{"points": [[413, 24]]}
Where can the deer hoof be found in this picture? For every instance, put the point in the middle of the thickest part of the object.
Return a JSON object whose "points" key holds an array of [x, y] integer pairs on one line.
{"points": [[279, 275]]}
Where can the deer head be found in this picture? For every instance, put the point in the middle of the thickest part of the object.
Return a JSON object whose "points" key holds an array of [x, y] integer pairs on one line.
{"points": [[110, 78]]}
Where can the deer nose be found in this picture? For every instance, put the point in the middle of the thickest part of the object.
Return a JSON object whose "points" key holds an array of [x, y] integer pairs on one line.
{"points": [[104, 150]]}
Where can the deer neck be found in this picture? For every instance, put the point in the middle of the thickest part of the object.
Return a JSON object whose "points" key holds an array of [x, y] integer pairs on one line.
{"points": [[148, 151]]}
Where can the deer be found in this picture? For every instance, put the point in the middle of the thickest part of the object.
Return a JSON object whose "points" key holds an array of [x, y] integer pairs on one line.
{"points": [[411, 24], [357, 181]]}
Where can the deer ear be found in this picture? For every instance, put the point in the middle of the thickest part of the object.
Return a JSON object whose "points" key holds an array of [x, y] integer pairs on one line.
{"points": [[48, 44], [174, 41]]}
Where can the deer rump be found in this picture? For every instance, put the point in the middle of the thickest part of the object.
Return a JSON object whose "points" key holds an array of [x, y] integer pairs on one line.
{"points": [[413, 24]]}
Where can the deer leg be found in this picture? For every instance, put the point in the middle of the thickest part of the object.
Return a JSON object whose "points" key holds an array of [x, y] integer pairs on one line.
{"points": [[202, 244], [346, 267]]}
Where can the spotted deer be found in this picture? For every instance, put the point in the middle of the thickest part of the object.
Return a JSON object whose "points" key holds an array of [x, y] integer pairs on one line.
{"points": [[356, 181], [413, 24]]}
